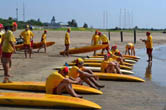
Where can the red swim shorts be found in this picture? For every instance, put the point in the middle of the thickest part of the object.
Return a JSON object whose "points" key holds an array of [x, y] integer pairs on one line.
{"points": [[27, 46], [6, 55], [107, 48], [149, 50]]}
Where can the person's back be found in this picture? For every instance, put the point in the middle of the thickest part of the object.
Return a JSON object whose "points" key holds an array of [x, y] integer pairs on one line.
{"points": [[95, 39], [73, 73], [53, 81], [149, 43], [129, 45], [104, 65], [7, 37], [27, 36], [67, 38], [104, 38]]}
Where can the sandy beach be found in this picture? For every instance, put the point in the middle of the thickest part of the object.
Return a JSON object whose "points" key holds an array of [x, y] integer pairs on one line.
{"points": [[117, 95]]}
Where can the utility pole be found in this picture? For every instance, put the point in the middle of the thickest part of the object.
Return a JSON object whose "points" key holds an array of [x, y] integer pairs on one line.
{"points": [[124, 18], [120, 16], [17, 14], [23, 12]]}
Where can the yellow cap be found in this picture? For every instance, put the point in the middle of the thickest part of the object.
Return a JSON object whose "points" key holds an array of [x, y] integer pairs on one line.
{"points": [[79, 60]]}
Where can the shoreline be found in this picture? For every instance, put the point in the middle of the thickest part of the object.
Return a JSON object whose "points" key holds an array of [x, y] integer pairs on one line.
{"points": [[117, 95]]}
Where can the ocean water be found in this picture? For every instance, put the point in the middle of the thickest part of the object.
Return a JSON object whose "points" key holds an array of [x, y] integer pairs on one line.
{"points": [[154, 71]]}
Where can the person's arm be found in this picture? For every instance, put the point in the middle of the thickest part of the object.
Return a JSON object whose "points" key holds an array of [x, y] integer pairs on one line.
{"points": [[85, 73], [73, 81]]}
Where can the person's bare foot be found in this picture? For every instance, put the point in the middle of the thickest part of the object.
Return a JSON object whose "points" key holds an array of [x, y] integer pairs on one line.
{"points": [[9, 75], [101, 86]]}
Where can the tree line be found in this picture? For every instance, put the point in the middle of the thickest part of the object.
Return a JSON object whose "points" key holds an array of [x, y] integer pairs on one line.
{"points": [[33, 22]]}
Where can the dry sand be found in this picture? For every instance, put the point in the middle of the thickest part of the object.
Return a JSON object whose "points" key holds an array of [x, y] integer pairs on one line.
{"points": [[117, 95]]}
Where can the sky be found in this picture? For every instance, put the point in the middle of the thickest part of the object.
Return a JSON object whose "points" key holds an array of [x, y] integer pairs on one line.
{"points": [[96, 13]]}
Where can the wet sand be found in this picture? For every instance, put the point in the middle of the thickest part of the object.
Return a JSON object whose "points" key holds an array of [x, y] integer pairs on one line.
{"points": [[117, 95]]}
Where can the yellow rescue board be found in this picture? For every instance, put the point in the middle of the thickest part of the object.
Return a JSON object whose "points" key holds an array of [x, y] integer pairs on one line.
{"points": [[85, 49], [119, 77], [98, 69], [35, 45], [132, 60], [40, 86], [99, 65], [45, 100], [128, 56], [94, 60], [125, 56]]}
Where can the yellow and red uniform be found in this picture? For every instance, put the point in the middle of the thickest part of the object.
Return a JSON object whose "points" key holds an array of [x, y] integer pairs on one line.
{"points": [[53, 81], [115, 51], [95, 39], [27, 36], [129, 46], [104, 39], [149, 44], [67, 38]]}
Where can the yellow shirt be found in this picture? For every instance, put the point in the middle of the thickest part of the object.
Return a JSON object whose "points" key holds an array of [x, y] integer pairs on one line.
{"points": [[53, 81], [7, 38], [43, 39], [73, 73], [27, 36], [104, 38], [149, 43], [104, 65], [116, 51], [95, 39], [67, 38], [129, 46]]}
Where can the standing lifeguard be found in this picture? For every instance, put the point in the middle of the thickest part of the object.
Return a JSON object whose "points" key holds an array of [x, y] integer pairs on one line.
{"points": [[27, 35], [149, 46], [43, 41], [8, 48], [95, 40], [67, 42], [105, 41], [130, 50]]}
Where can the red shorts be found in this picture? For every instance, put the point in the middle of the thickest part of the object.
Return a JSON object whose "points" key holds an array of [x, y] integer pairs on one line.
{"points": [[67, 45], [27, 46], [6, 55], [149, 50], [107, 48], [31, 43]]}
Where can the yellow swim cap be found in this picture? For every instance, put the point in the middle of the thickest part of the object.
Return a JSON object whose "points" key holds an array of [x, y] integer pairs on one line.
{"points": [[79, 60]]}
